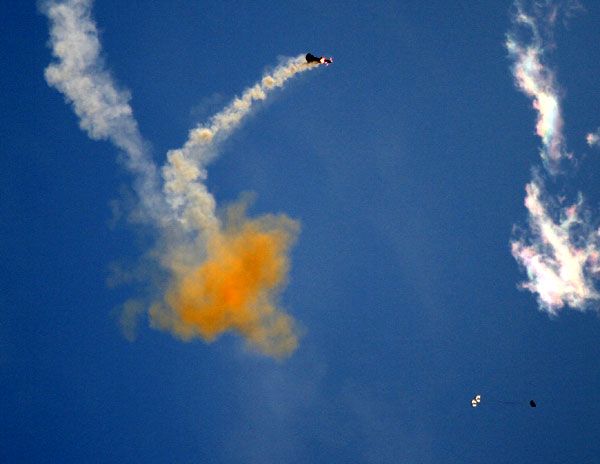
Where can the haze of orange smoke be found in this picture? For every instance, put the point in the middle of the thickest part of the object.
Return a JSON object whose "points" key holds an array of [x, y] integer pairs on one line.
{"points": [[236, 287]]}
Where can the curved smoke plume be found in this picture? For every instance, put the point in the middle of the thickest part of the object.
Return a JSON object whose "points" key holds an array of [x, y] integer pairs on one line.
{"points": [[221, 276]]}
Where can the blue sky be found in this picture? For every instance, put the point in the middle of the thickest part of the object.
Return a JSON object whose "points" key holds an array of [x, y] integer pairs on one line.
{"points": [[405, 163]]}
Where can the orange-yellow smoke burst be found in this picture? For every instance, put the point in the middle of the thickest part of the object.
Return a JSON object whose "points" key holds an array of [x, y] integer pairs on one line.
{"points": [[236, 287]]}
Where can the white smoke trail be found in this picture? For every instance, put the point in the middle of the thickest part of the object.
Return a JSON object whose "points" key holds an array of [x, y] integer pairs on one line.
{"points": [[538, 82], [186, 166], [220, 277], [105, 113], [103, 110]]}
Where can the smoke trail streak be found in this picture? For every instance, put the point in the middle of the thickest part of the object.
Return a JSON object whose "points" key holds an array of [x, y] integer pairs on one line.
{"points": [[562, 257], [560, 250], [538, 82], [103, 110], [221, 276], [186, 165]]}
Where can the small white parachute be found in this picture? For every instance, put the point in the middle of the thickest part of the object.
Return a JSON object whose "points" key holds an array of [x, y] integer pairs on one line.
{"points": [[476, 401]]}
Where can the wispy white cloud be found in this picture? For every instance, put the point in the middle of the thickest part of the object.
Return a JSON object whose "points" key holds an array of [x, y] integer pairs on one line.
{"points": [[560, 248], [559, 251], [538, 82], [593, 138]]}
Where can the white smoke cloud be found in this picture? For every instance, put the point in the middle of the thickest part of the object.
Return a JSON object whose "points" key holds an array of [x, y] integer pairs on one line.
{"points": [[103, 110], [105, 113], [204, 259]]}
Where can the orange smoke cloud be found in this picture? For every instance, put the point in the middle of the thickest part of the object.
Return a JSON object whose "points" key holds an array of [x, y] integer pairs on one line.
{"points": [[236, 287]]}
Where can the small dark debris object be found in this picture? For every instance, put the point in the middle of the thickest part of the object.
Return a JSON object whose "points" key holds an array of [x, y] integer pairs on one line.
{"points": [[310, 58]]}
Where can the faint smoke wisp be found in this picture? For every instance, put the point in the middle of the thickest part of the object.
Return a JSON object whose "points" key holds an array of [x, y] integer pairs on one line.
{"points": [[222, 276], [560, 248], [593, 138]]}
